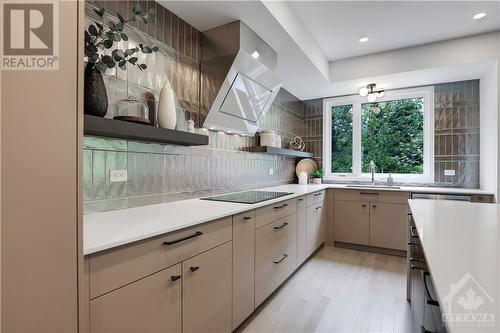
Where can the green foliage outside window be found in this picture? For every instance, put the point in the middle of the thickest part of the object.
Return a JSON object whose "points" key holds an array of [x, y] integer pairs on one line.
{"points": [[342, 139], [393, 137]]}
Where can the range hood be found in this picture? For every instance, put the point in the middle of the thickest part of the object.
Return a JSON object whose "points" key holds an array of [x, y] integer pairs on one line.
{"points": [[238, 79]]}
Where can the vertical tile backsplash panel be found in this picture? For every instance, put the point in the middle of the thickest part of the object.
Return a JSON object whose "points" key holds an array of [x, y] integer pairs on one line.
{"points": [[456, 132], [161, 173]]}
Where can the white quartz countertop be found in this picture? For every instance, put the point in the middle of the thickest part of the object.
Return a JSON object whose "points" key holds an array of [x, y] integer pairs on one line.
{"points": [[106, 230], [461, 243]]}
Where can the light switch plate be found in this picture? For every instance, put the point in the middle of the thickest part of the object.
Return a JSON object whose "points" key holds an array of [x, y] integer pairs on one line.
{"points": [[449, 172], [118, 176], [271, 172]]}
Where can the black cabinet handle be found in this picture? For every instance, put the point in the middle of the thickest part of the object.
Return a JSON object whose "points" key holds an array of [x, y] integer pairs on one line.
{"points": [[412, 229], [409, 214], [300, 199], [175, 277], [415, 260], [194, 268], [374, 206], [416, 267], [196, 234], [411, 243], [430, 300], [424, 330], [317, 194], [247, 218], [363, 205], [281, 226], [280, 207], [368, 193], [284, 257]]}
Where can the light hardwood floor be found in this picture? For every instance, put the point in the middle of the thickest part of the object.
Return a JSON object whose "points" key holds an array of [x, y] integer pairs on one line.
{"points": [[339, 290]]}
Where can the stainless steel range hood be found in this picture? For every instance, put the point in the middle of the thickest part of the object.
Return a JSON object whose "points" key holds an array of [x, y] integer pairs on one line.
{"points": [[238, 80]]}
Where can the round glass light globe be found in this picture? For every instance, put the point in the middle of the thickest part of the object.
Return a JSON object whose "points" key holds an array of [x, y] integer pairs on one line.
{"points": [[363, 91], [371, 98]]}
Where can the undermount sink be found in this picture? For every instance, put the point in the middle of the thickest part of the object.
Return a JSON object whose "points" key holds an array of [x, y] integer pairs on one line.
{"points": [[373, 186]]}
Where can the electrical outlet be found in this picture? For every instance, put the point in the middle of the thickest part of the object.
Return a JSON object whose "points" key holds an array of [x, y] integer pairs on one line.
{"points": [[271, 172], [117, 176], [449, 172]]}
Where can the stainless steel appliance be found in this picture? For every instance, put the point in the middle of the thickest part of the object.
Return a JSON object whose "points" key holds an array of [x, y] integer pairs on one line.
{"points": [[238, 79], [248, 197], [456, 197]]}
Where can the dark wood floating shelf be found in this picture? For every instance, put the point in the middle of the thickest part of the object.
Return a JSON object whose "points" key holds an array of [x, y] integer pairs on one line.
{"points": [[110, 128], [279, 151]]}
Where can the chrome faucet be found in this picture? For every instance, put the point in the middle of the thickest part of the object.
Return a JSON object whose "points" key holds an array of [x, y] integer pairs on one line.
{"points": [[372, 170]]}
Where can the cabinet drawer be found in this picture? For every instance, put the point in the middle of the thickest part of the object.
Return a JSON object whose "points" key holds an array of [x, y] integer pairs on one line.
{"points": [[274, 212], [372, 196], [273, 272], [117, 267], [272, 239], [315, 198], [152, 304]]}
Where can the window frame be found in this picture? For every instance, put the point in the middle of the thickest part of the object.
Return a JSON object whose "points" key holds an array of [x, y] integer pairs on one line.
{"points": [[426, 92]]}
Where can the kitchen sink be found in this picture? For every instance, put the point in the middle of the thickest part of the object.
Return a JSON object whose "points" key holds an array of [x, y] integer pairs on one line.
{"points": [[373, 186]]}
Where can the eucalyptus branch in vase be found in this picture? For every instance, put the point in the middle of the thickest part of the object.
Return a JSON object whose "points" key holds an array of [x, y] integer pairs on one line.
{"points": [[101, 36]]}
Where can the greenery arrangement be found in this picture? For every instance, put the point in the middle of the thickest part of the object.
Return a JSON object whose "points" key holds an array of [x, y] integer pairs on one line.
{"points": [[392, 137], [318, 173], [99, 37]]}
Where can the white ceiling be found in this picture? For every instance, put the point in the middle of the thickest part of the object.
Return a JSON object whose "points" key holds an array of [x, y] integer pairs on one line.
{"points": [[307, 35], [336, 26]]}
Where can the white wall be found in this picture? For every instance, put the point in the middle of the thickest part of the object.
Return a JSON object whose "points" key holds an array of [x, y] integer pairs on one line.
{"points": [[442, 54]]}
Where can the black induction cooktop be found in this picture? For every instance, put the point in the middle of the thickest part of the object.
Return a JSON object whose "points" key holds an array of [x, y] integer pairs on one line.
{"points": [[249, 197]]}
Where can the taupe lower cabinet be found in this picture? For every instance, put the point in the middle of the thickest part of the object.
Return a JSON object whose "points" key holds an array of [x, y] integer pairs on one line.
{"points": [[243, 266], [207, 278], [206, 291], [152, 304], [371, 218]]}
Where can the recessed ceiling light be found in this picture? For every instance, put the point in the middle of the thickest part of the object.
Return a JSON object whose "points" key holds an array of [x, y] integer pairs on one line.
{"points": [[363, 39], [255, 54], [479, 16]]}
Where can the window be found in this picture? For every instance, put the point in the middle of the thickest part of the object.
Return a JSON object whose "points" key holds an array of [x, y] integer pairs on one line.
{"points": [[396, 132]]}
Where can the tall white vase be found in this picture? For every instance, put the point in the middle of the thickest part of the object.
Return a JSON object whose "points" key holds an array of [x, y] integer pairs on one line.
{"points": [[167, 115]]}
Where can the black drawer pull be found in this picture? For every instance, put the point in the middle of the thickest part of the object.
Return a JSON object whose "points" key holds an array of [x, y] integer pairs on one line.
{"points": [[411, 243], [409, 213], [300, 199], [281, 226], [175, 277], [363, 205], [317, 194], [424, 330], [280, 207], [374, 206], [284, 257], [415, 260], [430, 300], [368, 193], [247, 218], [412, 229], [194, 268], [196, 234], [416, 267]]}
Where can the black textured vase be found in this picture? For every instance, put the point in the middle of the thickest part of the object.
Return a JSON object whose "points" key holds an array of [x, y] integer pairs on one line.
{"points": [[95, 96]]}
